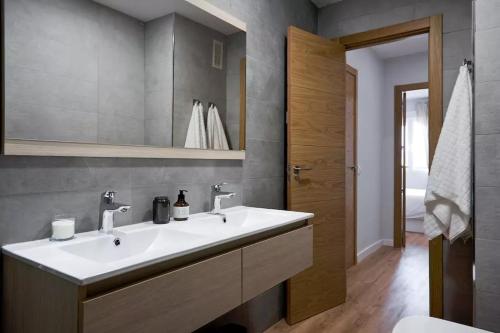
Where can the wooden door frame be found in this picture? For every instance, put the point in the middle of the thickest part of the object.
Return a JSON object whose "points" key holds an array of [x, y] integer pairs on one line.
{"points": [[432, 25], [398, 117], [354, 72]]}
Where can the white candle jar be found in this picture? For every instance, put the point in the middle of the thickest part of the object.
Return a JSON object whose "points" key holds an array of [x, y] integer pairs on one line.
{"points": [[63, 228]]}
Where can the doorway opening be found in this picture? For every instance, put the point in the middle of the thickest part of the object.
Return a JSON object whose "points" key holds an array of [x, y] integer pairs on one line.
{"points": [[387, 162], [411, 158], [432, 28], [316, 95]]}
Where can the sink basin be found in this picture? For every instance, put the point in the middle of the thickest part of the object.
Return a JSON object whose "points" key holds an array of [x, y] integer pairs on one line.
{"points": [[210, 226], [92, 256], [123, 245], [237, 222], [251, 219]]}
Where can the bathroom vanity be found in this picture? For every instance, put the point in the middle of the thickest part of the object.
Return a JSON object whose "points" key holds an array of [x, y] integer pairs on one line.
{"points": [[159, 278]]}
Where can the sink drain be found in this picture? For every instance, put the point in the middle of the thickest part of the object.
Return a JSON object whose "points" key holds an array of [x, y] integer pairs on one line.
{"points": [[117, 241]]}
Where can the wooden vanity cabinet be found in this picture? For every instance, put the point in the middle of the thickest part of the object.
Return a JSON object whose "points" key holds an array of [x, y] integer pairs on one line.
{"points": [[35, 300], [274, 260], [179, 300]]}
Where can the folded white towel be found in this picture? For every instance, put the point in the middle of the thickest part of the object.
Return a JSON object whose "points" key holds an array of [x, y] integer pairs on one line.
{"points": [[216, 135], [449, 189], [196, 135]]}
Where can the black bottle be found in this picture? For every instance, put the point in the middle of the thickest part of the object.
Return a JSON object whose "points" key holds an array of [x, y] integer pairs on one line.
{"points": [[161, 210]]}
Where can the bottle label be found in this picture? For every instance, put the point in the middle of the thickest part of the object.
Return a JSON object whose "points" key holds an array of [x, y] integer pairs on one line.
{"points": [[181, 212]]}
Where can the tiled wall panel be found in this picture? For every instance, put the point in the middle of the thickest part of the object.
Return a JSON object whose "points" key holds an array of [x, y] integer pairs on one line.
{"points": [[487, 159]]}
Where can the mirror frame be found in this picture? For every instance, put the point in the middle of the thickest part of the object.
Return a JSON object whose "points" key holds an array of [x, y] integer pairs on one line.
{"points": [[18, 147]]}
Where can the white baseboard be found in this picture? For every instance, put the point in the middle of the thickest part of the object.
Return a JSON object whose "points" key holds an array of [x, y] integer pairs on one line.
{"points": [[387, 242], [372, 248]]}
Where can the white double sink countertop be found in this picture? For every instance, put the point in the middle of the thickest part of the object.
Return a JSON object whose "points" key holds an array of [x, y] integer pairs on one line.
{"points": [[93, 256]]}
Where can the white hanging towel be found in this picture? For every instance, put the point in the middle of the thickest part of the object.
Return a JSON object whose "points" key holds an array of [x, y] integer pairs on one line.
{"points": [[196, 135], [215, 131], [448, 196]]}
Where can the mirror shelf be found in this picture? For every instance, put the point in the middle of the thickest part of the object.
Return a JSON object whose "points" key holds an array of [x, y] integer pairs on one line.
{"points": [[219, 13], [72, 149]]}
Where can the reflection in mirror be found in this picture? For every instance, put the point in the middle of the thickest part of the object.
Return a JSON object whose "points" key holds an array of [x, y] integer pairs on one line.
{"points": [[207, 70], [159, 71], [74, 72], [79, 71]]}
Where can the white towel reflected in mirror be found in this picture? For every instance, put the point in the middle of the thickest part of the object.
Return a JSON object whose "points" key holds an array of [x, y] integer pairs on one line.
{"points": [[196, 135], [215, 130]]}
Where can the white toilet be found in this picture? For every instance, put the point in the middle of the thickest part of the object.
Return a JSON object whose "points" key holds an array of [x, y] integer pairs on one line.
{"points": [[419, 324]]}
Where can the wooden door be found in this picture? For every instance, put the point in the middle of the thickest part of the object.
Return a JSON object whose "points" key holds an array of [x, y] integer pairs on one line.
{"points": [[400, 169], [403, 172], [316, 163], [351, 87]]}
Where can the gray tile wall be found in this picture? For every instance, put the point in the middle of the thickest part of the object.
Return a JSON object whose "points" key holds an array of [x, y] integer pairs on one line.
{"points": [[353, 16], [120, 78], [33, 189], [74, 72], [236, 50], [194, 76], [159, 74], [38, 88], [348, 17], [487, 143]]}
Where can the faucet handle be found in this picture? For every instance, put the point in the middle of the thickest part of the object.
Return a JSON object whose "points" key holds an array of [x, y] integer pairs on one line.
{"points": [[218, 187], [109, 196]]}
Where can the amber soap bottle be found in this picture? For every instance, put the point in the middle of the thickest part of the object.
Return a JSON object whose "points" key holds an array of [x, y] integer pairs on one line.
{"points": [[181, 207]]}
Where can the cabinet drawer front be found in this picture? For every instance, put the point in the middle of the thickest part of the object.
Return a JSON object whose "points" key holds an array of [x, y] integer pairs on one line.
{"points": [[178, 301], [267, 263]]}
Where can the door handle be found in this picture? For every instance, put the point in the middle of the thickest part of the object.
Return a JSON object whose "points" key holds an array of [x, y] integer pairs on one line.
{"points": [[355, 169], [297, 169]]}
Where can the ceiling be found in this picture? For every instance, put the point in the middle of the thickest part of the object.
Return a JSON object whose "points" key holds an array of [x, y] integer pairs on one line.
{"points": [[149, 10], [402, 47], [323, 3]]}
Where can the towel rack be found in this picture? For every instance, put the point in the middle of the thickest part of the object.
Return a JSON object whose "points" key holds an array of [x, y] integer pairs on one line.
{"points": [[210, 104], [196, 101]]}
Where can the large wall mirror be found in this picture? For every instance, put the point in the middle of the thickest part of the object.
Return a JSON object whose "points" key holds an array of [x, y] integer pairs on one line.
{"points": [[123, 74]]}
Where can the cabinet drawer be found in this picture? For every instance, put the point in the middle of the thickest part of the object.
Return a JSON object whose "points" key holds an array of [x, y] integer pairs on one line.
{"points": [[178, 301], [274, 260]]}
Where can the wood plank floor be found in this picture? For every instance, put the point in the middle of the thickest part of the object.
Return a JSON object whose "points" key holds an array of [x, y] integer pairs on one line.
{"points": [[385, 287]]}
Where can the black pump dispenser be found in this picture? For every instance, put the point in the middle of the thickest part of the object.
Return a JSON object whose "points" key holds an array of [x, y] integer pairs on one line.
{"points": [[181, 197]]}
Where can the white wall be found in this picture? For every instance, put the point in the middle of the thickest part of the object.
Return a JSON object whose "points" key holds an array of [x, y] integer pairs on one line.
{"points": [[370, 142], [376, 80], [397, 71]]}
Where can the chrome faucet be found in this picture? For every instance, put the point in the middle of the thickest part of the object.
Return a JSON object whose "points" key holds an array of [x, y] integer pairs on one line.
{"points": [[216, 197], [107, 208]]}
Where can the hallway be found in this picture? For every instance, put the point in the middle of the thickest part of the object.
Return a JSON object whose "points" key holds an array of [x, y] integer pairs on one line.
{"points": [[385, 287]]}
